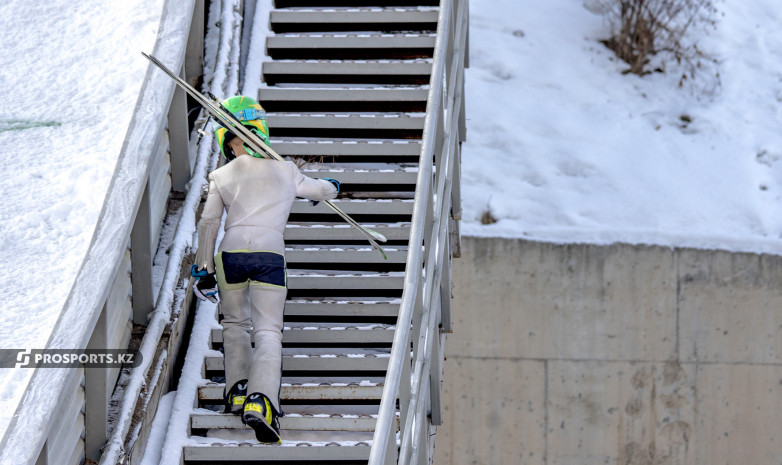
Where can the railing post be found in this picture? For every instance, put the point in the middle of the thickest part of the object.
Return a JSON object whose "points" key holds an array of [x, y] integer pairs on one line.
{"points": [[141, 261], [179, 141], [96, 396], [194, 53], [43, 456]]}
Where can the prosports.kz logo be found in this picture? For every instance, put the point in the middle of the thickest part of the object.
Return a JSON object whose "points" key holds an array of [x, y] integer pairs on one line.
{"points": [[23, 358]]}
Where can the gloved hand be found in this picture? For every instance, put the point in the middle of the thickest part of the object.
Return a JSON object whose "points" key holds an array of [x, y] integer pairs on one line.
{"points": [[332, 181], [205, 285]]}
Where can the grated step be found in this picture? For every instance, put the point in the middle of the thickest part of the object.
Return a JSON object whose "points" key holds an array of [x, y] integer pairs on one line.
{"points": [[348, 71], [344, 98], [297, 388], [331, 231], [317, 422], [345, 361], [326, 333], [330, 19], [346, 147], [290, 451], [351, 46], [343, 307], [343, 255], [357, 207]]}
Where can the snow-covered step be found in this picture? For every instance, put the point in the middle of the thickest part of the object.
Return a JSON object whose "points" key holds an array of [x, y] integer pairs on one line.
{"points": [[314, 147], [290, 451], [361, 19], [343, 94], [345, 361], [329, 333], [348, 71], [347, 121], [344, 98], [361, 41], [331, 231], [289, 422], [326, 279], [343, 307], [356, 3], [357, 207], [398, 176], [350, 46], [343, 254], [299, 388]]}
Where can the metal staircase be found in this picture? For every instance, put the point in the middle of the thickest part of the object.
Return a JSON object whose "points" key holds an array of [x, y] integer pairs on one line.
{"points": [[346, 92]]}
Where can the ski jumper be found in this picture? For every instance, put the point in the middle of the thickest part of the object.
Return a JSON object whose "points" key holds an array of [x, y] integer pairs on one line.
{"points": [[257, 195]]}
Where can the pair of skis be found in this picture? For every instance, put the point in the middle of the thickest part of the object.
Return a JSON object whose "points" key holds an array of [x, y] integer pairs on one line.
{"points": [[229, 121]]}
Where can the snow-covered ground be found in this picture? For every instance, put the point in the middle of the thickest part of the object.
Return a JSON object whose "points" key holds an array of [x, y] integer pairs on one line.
{"points": [[563, 147], [70, 75]]}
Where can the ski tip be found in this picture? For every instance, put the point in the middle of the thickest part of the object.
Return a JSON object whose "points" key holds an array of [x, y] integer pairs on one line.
{"points": [[376, 235], [382, 252]]}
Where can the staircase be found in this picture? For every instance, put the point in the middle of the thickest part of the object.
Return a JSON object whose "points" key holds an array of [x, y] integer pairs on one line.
{"points": [[346, 94]]}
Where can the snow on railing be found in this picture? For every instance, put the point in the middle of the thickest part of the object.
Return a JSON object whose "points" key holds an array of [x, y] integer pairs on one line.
{"points": [[424, 315]]}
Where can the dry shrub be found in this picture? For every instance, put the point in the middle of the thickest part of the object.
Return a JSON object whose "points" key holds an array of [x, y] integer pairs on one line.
{"points": [[643, 29]]}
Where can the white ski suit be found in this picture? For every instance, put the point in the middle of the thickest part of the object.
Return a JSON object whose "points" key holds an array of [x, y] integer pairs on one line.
{"points": [[257, 195]]}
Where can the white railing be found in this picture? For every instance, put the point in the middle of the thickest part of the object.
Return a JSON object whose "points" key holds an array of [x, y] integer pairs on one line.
{"points": [[413, 377]]}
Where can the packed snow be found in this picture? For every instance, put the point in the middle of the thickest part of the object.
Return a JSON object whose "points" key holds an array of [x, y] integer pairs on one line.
{"points": [[562, 147]]}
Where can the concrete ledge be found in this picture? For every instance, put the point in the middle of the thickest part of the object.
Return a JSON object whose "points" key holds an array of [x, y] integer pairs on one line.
{"points": [[585, 354]]}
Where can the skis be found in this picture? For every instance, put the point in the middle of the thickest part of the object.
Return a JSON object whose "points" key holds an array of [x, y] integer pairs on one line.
{"points": [[215, 108]]}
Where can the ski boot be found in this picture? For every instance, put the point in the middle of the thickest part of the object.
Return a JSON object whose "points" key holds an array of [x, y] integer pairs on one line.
{"points": [[234, 398], [260, 415]]}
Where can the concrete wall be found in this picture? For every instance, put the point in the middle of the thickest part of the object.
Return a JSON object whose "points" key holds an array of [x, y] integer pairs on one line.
{"points": [[631, 355]]}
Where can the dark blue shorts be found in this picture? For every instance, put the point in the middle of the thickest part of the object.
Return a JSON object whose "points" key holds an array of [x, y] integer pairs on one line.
{"points": [[238, 269]]}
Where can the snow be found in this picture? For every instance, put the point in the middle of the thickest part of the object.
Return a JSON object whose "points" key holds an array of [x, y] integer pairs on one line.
{"points": [[563, 148], [67, 105]]}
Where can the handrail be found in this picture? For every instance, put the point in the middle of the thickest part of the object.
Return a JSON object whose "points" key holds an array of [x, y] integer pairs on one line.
{"points": [[424, 301]]}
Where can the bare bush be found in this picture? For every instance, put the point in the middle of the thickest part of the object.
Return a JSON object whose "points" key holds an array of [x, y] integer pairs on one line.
{"points": [[642, 29]]}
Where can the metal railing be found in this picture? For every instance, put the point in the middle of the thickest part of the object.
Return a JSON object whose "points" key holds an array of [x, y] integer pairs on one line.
{"points": [[413, 376]]}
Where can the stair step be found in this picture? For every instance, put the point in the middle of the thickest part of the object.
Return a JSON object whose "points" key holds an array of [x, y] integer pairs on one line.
{"points": [[359, 176], [345, 67], [348, 19], [346, 147], [355, 3], [310, 389], [323, 422], [337, 254], [326, 41], [343, 121], [328, 333], [326, 280], [348, 71], [294, 452], [328, 231], [344, 94], [357, 207], [386, 98], [344, 307], [346, 361], [351, 46]]}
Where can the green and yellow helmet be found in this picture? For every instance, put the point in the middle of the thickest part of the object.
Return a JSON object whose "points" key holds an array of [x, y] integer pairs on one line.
{"points": [[251, 114]]}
